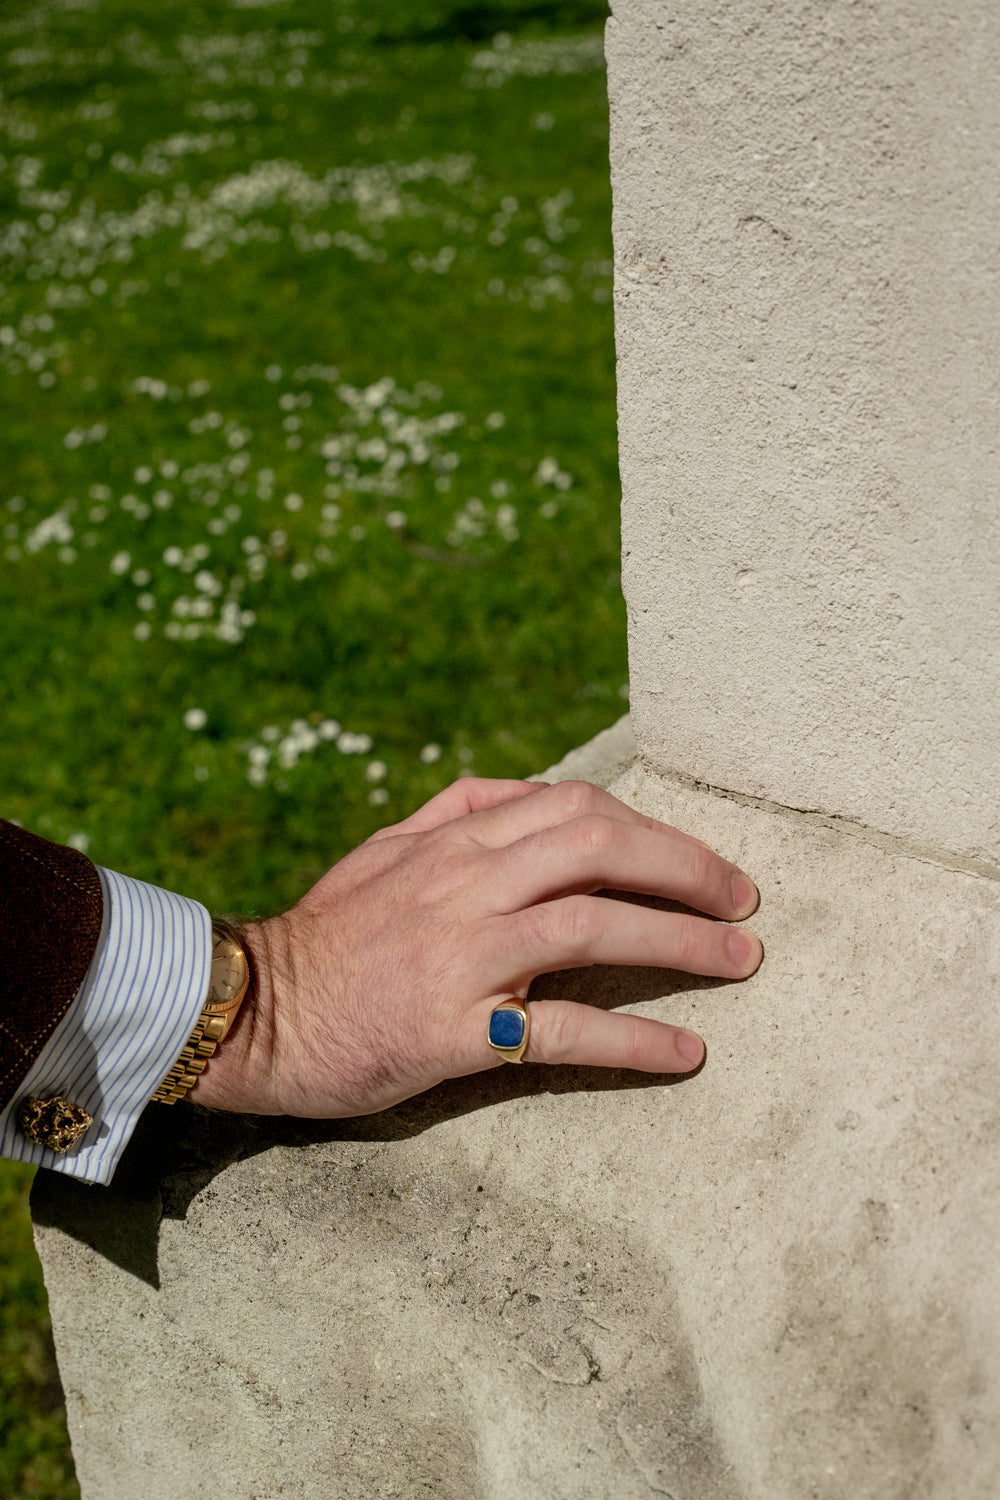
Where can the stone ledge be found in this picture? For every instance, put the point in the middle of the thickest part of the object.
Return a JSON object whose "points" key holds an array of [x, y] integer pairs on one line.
{"points": [[775, 1279]]}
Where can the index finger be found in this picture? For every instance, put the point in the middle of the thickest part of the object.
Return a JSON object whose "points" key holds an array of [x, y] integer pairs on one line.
{"points": [[561, 802], [469, 794], [576, 837]]}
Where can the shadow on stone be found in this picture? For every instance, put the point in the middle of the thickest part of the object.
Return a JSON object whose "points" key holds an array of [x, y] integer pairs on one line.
{"points": [[175, 1152]]}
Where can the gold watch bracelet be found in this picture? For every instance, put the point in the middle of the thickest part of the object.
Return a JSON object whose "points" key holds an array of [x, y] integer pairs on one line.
{"points": [[217, 1014]]}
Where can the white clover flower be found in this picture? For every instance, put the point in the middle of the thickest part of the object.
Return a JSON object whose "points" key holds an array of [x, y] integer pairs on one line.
{"points": [[79, 841], [173, 557], [146, 601], [256, 775], [379, 797], [329, 729], [376, 770], [195, 718], [270, 733], [293, 502], [120, 563], [430, 753], [143, 474], [396, 520], [353, 744]]}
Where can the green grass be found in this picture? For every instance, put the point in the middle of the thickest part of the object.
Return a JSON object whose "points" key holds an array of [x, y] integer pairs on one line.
{"points": [[309, 491]]}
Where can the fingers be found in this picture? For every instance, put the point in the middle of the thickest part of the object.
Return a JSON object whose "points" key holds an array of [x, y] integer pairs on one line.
{"points": [[580, 930], [564, 1032], [470, 794], [576, 837], [596, 852], [562, 803]]}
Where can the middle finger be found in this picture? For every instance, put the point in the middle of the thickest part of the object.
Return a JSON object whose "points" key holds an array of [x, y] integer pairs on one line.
{"points": [[596, 852]]}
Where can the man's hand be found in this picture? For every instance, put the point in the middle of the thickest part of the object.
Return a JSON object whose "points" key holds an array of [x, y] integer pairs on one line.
{"points": [[380, 982]]}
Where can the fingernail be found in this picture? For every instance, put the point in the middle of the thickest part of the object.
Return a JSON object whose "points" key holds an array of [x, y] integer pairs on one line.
{"points": [[744, 949], [690, 1046], [745, 894]]}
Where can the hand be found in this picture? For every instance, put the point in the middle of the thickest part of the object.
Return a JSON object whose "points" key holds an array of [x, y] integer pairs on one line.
{"points": [[380, 982]]}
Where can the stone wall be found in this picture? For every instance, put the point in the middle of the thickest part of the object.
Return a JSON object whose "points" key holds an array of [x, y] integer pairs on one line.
{"points": [[808, 314]]}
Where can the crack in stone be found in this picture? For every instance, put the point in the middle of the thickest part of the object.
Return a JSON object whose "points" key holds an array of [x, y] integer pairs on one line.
{"points": [[890, 843]]}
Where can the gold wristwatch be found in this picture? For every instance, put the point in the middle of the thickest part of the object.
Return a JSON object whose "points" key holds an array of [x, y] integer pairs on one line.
{"points": [[230, 978]]}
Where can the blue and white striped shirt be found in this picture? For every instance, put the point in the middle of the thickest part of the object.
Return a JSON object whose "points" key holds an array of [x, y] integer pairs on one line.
{"points": [[138, 1004]]}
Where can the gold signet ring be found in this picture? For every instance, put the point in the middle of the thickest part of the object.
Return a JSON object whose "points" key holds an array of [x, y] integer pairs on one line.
{"points": [[509, 1027]]}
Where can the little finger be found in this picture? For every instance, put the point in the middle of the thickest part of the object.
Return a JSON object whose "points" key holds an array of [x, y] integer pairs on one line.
{"points": [[561, 1031]]}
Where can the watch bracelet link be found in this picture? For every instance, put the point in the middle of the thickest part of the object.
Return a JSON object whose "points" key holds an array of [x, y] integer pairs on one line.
{"points": [[213, 1025]]}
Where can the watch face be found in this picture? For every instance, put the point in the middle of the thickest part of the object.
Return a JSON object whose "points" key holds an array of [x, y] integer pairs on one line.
{"points": [[230, 971]]}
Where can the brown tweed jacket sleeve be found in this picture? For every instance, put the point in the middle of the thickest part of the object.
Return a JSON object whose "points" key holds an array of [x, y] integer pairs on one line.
{"points": [[51, 908]]}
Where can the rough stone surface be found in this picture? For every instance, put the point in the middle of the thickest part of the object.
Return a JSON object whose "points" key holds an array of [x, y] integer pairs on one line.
{"points": [[808, 313], [775, 1280]]}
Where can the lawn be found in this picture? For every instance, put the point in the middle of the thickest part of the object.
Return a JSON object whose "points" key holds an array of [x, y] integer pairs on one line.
{"points": [[309, 496]]}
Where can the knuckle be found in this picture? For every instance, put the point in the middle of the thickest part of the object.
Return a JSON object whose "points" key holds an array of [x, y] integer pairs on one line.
{"points": [[576, 926], [558, 1036], [560, 930], [574, 799], [594, 837], [703, 867], [633, 1043], [686, 943]]}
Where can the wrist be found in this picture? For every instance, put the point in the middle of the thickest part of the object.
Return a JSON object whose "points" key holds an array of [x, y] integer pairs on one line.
{"points": [[241, 1076]]}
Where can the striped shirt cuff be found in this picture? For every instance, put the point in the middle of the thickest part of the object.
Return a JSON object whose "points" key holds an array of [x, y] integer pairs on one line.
{"points": [[137, 1006]]}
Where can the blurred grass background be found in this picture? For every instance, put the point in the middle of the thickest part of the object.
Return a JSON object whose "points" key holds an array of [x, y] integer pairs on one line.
{"points": [[309, 489]]}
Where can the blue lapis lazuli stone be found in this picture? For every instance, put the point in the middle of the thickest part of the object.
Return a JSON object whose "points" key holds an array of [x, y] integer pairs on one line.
{"points": [[506, 1028]]}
